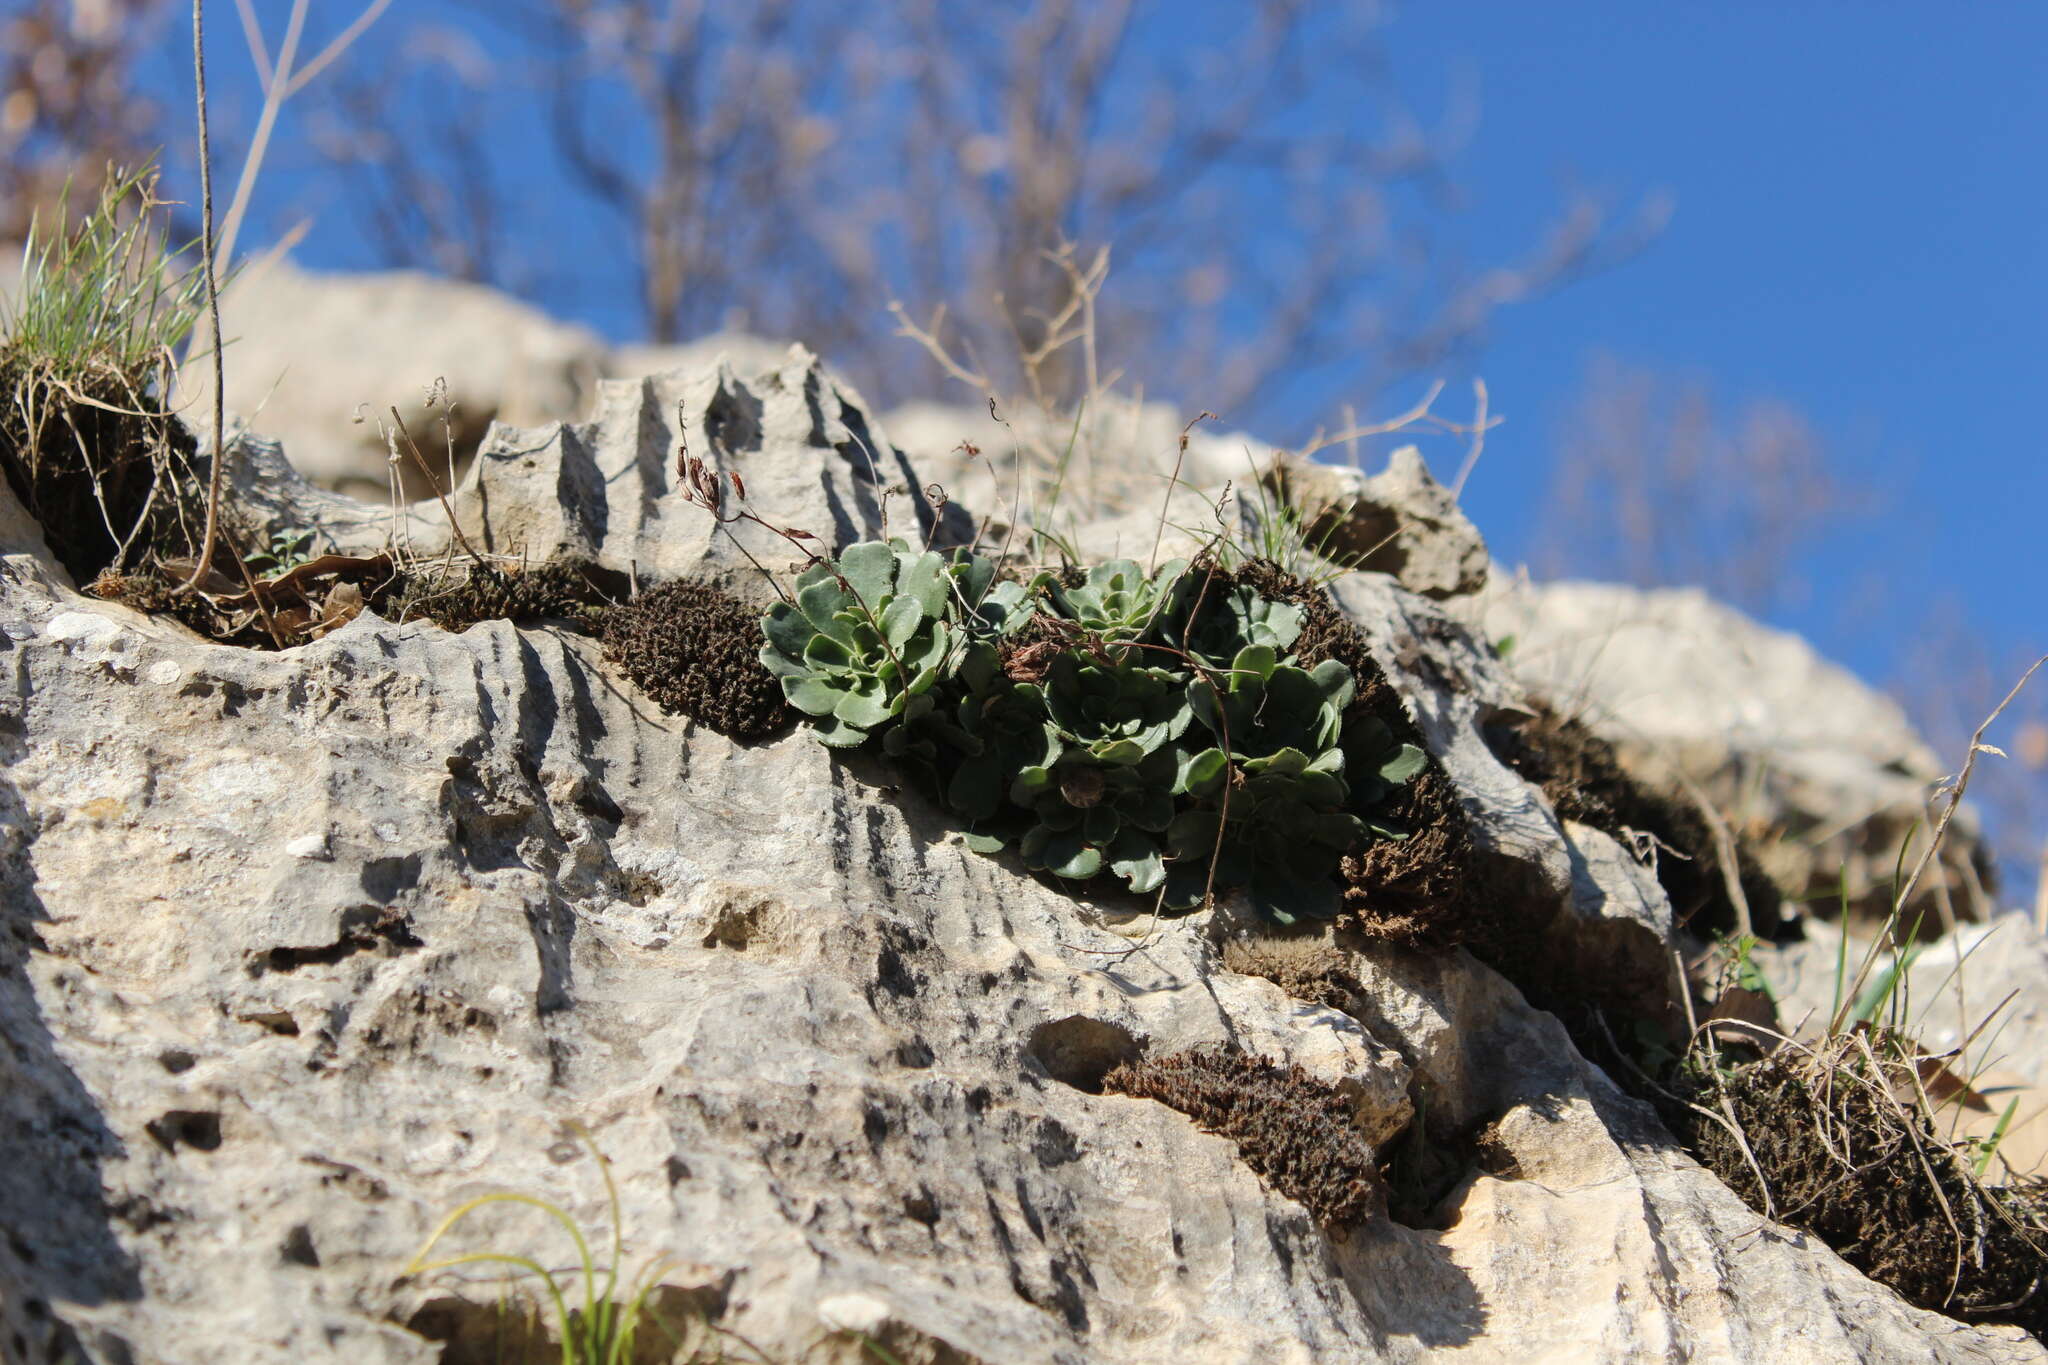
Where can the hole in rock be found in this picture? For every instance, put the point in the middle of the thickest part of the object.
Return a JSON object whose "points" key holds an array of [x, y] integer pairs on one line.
{"points": [[298, 1248], [1080, 1051], [195, 1128], [364, 928]]}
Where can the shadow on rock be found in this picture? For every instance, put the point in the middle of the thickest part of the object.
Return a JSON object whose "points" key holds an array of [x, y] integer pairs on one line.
{"points": [[56, 1235]]}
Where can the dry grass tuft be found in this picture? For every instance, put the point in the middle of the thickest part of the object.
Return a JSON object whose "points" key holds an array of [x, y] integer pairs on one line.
{"points": [[1845, 1152]]}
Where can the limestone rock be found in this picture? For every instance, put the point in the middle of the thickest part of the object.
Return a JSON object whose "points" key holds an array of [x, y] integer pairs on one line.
{"points": [[299, 951], [1821, 772], [1400, 521], [309, 353], [796, 437], [1119, 457]]}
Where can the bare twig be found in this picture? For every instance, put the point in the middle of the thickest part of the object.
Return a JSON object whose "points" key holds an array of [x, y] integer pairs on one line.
{"points": [[1955, 801], [219, 462], [412, 449]]}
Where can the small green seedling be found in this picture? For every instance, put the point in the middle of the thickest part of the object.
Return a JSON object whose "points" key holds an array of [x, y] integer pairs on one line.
{"points": [[604, 1331]]}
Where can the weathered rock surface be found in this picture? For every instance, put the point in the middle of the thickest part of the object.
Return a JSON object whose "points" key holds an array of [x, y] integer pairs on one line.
{"points": [[308, 354], [1824, 775], [299, 951], [1128, 484], [1400, 521], [1120, 455]]}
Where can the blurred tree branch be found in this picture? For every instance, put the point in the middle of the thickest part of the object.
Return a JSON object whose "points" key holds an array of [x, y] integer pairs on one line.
{"points": [[1655, 485], [791, 167], [68, 105]]}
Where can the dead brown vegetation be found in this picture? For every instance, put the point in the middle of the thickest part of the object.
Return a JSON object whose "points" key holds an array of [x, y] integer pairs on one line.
{"points": [[1584, 781], [696, 650], [1845, 1151], [1292, 1129], [86, 454]]}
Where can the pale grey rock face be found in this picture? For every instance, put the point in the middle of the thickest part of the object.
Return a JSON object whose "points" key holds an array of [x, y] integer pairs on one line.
{"points": [[308, 354], [1120, 455], [1794, 749], [608, 490], [1400, 521], [299, 951]]}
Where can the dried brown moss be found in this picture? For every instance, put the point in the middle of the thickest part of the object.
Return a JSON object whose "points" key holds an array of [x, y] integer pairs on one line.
{"points": [[696, 651], [1308, 969], [1578, 771], [1872, 1179], [1293, 1130], [460, 595]]}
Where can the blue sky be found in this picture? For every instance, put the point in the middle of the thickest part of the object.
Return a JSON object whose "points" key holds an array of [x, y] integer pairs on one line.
{"points": [[1857, 197], [1857, 231]]}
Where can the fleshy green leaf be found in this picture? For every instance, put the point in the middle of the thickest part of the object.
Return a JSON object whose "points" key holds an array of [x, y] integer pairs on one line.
{"points": [[822, 603], [900, 620], [870, 571], [810, 696], [1029, 783], [867, 705], [1257, 660], [837, 733], [1201, 773], [787, 629], [1406, 764], [922, 579], [976, 790], [1136, 859], [823, 653]]}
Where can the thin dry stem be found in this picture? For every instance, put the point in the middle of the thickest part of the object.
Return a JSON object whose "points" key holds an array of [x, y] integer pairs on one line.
{"points": [[1955, 801], [412, 449], [219, 462]]}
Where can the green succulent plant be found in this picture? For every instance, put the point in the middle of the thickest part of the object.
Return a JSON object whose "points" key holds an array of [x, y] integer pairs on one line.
{"points": [[1229, 617], [1375, 763], [990, 608], [1087, 818], [1118, 602], [1114, 708], [1264, 705], [1271, 805], [1280, 838], [1155, 730], [997, 729], [865, 641]]}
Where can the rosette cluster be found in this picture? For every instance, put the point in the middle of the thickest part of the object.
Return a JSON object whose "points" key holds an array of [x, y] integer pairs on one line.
{"points": [[1149, 727]]}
